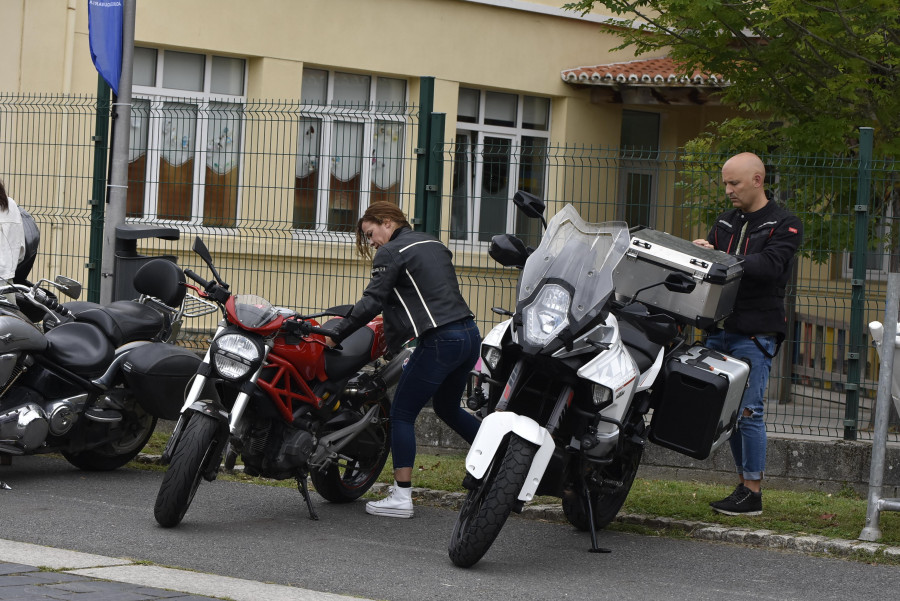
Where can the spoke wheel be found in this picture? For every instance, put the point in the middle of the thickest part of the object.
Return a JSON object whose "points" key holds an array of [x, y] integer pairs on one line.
{"points": [[361, 462]]}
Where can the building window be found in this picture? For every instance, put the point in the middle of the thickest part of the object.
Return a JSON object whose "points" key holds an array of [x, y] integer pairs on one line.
{"points": [[351, 138], [186, 125], [501, 146], [639, 167]]}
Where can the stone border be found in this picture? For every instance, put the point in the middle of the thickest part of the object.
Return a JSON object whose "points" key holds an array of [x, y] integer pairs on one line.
{"points": [[765, 539]]}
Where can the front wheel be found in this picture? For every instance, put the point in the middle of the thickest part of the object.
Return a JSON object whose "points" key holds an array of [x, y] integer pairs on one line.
{"points": [[360, 462], [189, 460], [606, 503], [485, 509]]}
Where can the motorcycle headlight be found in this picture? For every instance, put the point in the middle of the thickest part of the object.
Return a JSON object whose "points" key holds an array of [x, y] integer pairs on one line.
{"points": [[235, 356], [491, 357], [547, 315]]}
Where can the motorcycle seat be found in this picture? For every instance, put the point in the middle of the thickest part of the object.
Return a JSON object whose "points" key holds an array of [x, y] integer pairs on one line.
{"points": [[79, 347], [121, 321], [356, 352], [639, 347]]}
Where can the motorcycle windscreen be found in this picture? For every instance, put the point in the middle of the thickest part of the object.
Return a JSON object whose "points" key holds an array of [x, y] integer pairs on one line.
{"points": [[579, 253]]}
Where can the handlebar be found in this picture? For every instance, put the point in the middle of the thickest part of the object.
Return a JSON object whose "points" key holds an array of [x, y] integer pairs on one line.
{"points": [[303, 328], [196, 278]]}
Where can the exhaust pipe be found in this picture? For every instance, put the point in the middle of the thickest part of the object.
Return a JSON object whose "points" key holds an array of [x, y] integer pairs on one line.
{"points": [[390, 375]]}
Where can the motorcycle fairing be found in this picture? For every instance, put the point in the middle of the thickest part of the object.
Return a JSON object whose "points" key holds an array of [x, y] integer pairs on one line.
{"points": [[493, 430]]}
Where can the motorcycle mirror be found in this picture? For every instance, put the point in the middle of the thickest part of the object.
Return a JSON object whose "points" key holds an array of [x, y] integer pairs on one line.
{"points": [[508, 250], [680, 282], [200, 248], [531, 205], [68, 286]]}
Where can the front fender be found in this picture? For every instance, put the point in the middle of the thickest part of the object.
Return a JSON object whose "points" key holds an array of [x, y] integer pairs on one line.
{"points": [[493, 430]]}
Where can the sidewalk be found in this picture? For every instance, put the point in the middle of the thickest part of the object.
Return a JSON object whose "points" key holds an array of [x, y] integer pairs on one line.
{"points": [[37, 573]]}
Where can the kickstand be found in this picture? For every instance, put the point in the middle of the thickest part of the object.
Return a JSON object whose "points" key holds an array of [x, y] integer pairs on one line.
{"points": [[304, 490], [590, 511]]}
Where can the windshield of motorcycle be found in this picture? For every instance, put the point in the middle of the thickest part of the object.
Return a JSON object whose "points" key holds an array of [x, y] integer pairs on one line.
{"points": [[579, 257], [253, 311]]}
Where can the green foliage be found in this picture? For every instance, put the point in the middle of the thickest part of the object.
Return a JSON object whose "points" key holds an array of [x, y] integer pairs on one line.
{"points": [[819, 70], [806, 75]]}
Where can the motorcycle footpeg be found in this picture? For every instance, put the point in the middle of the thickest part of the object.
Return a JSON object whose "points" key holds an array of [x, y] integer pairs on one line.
{"points": [[610, 486]]}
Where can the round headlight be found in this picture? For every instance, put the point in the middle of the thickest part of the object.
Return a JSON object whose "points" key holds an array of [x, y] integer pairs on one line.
{"points": [[548, 315], [234, 356]]}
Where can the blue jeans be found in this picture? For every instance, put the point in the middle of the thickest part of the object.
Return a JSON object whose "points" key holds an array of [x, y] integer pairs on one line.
{"points": [[748, 441], [438, 370]]}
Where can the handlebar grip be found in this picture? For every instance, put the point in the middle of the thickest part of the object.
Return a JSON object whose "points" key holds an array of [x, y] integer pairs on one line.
{"points": [[196, 278]]}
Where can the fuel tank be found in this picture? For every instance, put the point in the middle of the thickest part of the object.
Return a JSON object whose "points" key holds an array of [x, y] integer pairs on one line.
{"points": [[19, 334]]}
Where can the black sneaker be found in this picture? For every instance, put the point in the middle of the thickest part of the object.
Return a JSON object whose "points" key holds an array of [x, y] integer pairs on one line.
{"points": [[742, 501]]}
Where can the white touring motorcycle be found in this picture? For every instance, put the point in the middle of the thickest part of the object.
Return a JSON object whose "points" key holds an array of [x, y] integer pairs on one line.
{"points": [[568, 382]]}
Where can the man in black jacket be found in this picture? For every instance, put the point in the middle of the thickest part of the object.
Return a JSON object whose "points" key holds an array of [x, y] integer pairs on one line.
{"points": [[767, 237]]}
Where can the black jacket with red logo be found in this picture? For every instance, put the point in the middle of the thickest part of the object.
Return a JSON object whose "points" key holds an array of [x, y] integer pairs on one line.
{"points": [[770, 242]]}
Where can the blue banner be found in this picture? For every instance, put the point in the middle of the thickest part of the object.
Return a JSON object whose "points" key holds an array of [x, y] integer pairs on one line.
{"points": [[105, 34]]}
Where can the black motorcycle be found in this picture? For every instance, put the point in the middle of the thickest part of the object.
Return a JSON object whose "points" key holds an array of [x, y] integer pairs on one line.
{"points": [[86, 380]]}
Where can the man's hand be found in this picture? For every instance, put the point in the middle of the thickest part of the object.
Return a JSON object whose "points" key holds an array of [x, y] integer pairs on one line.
{"points": [[702, 243], [329, 342]]}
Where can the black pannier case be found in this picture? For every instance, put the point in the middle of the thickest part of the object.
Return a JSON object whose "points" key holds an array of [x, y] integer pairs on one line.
{"points": [[158, 374], [698, 407]]}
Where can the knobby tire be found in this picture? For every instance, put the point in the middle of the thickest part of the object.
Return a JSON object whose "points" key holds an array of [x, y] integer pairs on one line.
{"points": [[486, 508], [181, 480]]}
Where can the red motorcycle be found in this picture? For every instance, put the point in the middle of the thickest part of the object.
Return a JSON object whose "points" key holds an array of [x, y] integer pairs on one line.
{"points": [[270, 391]]}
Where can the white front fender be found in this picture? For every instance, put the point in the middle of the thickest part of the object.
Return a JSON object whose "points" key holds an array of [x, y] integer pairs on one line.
{"points": [[491, 433]]}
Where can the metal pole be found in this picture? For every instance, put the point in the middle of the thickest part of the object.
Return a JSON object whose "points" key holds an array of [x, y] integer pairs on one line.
{"points": [[872, 530], [118, 176], [855, 359]]}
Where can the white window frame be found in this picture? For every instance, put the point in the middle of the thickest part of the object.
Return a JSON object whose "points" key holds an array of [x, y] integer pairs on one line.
{"points": [[477, 133], [329, 115], [158, 96]]}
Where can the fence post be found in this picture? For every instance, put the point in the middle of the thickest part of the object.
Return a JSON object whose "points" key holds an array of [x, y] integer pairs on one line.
{"points": [[858, 283], [876, 505], [426, 107], [98, 189], [435, 174]]}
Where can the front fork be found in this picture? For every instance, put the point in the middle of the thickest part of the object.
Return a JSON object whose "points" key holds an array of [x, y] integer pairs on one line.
{"points": [[204, 398]]}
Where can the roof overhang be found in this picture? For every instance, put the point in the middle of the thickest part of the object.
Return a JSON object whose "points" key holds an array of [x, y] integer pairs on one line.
{"points": [[658, 81]]}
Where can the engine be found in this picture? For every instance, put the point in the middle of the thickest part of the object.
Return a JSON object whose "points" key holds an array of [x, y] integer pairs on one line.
{"points": [[274, 450]]}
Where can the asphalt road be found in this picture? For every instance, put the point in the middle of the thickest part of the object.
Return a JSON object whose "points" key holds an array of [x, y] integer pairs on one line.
{"points": [[263, 533]]}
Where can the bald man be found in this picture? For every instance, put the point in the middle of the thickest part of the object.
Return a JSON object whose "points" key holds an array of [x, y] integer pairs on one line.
{"points": [[767, 237]]}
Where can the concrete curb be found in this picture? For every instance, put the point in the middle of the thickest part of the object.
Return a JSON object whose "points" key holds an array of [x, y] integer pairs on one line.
{"points": [[764, 539]]}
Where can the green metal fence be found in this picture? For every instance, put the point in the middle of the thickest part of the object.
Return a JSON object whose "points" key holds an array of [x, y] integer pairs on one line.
{"points": [[274, 187]]}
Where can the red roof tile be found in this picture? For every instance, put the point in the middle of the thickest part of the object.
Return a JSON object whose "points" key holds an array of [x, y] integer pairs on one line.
{"points": [[651, 71]]}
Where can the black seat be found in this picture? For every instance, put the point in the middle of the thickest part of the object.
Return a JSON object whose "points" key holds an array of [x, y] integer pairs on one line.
{"points": [[356, 352], [639, 347], [79, 347], [121, 321]]}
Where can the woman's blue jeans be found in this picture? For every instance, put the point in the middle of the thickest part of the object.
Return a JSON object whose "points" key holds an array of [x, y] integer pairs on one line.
{"points": [[748, 441], [437, 370]]}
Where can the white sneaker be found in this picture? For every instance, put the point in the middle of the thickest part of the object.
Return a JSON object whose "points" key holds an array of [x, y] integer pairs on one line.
{"points": [[398, 503]]}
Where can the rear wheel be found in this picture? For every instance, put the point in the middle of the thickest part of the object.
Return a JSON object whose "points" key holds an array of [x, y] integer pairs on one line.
{"points": [[361, 461], [486, 508], [189, 460], [606, 503], [131, 435]]}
